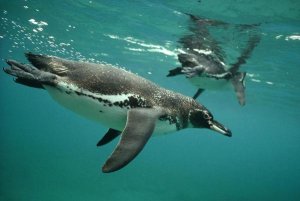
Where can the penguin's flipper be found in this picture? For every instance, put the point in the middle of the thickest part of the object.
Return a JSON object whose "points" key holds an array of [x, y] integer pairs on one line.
{"points": [[198, 93], [139, 128], [238, 82], [108, 137]]}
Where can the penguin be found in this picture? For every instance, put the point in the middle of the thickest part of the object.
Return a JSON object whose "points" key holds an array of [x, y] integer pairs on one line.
{"points": [[203, 60], [131, 106]]}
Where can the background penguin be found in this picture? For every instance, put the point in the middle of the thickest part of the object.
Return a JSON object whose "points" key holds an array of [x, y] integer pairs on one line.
{"points": [[203, 61], [126, 103]]}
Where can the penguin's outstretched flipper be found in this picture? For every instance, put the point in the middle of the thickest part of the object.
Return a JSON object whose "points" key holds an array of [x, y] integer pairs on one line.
{"points": [[139, 128]]}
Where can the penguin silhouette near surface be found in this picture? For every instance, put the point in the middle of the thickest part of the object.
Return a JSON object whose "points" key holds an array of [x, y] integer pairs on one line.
{"points": [[204, 61]]}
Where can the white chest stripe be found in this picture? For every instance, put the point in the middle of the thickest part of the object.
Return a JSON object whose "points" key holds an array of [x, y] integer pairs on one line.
{"points": [[111, 98]]}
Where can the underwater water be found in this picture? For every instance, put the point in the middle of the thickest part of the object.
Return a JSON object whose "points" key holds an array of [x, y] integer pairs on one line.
{"points": [[49, 153]]}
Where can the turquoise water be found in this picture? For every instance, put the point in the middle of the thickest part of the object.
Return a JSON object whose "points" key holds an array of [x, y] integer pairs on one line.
{"points": [[48, 153]]}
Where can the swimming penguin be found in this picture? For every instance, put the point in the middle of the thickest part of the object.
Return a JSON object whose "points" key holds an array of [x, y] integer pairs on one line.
{"points": [[203, 61], [129, 105]]}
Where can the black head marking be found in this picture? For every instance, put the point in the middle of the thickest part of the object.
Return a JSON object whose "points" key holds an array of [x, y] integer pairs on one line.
{"points": [[200, 118]]}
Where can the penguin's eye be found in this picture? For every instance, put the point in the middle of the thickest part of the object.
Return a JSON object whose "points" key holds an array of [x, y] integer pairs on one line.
{"points": [[200, 118], [206, 115]]}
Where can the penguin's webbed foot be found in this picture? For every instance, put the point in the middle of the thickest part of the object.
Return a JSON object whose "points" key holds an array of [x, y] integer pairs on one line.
{"points": [[28, 73]]}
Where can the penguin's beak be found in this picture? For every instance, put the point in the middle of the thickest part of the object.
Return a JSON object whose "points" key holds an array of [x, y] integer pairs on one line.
{"points": [[216, 126]]}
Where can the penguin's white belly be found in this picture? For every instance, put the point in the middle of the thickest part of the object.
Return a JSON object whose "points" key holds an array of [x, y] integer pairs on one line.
{"points": [[210, 83], [110, 116]]}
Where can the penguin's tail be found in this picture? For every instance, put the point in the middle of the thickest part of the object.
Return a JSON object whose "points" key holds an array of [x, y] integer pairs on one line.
{"points": [[238, 82], [29, 75]]}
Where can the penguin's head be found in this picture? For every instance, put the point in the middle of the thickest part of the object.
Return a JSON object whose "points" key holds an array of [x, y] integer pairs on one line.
{"points": [[202, 118]]}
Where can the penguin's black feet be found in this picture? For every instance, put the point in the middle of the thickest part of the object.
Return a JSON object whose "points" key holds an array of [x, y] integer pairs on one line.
{"points": [[27, 73]]}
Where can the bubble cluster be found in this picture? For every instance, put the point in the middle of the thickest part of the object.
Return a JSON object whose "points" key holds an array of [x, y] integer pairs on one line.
{"points": [[34, 35], [142, 46]]}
